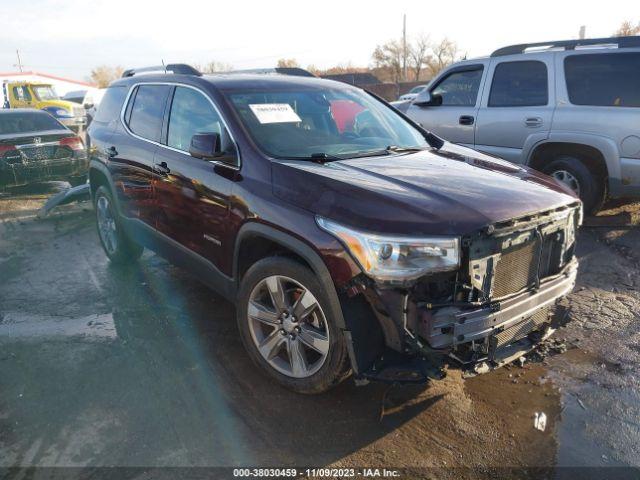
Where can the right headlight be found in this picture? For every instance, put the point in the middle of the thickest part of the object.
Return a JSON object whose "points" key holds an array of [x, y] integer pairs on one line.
{"points": [[396, 258]]}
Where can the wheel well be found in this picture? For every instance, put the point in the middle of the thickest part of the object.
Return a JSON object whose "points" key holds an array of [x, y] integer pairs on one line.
{"points": [[96, 179], [257, 247], [590, 156]]}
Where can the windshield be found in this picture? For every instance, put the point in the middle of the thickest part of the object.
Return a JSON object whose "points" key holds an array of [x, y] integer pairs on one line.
{"points": [[45, 92], [417, 89], [340, 123]]}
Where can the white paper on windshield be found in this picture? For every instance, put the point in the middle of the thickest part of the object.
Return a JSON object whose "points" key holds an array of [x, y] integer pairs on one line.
{"points": [[274, 113]]}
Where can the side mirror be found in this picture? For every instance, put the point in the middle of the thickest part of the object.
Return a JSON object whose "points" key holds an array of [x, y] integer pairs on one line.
{"points": [[423, 99], [205, 146]]}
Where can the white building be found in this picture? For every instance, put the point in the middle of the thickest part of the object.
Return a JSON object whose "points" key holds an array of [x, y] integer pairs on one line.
{"points": [[61, 85]]}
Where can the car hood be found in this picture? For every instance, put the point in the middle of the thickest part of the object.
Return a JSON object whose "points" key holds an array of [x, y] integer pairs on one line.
{"points": [[453, 190]]}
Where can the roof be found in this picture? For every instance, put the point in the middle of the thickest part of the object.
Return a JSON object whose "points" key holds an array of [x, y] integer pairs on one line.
{"points": [[356, 78], [240, 81], [46, 75]]}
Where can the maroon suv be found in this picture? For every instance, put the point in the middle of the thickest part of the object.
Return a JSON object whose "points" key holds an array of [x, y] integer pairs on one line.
{"points": [[349, 239]]}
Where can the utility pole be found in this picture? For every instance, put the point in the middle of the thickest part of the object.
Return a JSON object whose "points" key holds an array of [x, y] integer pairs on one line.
{"points": [[404, 46], [583, 30], [19, 65]]}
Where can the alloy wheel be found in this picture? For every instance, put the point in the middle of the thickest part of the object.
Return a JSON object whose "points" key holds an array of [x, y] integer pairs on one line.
{"points": [[107, 225], [288, 326], [568, 179]]}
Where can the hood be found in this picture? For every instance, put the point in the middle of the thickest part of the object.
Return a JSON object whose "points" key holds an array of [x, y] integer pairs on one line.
{"points": [[454, 190]]}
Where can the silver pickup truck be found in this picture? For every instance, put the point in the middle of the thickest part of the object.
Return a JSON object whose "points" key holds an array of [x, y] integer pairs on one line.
{"points": [[568, 108]]}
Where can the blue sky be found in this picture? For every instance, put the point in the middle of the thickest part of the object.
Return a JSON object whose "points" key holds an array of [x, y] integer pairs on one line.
{"points": [[70, 37]]}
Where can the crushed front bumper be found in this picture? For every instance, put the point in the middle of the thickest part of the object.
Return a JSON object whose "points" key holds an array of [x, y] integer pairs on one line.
{"points": [[489, 334]]}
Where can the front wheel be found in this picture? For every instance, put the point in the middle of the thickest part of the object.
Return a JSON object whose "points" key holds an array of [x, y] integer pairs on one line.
{"points": [[115, 242], [286, 328], [571, 171]]}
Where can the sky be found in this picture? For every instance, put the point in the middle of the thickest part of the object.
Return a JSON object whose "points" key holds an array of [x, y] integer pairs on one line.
{"points": [[70, 37]]}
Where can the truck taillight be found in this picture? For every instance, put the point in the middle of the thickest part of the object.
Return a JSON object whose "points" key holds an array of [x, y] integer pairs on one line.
{"points": [[74, 143]]}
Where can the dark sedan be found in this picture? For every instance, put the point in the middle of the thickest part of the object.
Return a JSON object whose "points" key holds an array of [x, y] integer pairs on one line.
{"points": [[35, 147]]}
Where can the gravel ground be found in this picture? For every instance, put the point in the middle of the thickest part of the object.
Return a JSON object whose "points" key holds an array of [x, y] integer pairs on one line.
{"points": [[143, 366]]}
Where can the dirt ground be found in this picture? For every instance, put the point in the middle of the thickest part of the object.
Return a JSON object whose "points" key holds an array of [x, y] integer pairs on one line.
{"points": [[142, 367]]}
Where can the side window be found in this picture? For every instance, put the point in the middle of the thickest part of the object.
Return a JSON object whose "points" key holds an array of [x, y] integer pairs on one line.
{"points": [[148, 110], [604, 80], [519, 84], [22, 94], [458, 89], [191, 113]]}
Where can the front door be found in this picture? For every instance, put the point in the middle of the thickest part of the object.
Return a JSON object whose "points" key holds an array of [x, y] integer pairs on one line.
{"points": [[193, 194], [517, 106], [454, 106]]}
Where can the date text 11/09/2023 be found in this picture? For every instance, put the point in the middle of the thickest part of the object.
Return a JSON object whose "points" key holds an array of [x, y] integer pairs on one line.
{"points": [[316, 472]]}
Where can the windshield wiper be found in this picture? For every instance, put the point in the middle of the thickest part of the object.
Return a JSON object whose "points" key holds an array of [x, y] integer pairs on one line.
{"points": [[397, 149]]}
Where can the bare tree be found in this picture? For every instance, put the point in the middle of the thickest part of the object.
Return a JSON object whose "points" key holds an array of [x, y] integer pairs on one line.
{"points": [[213, 67], [419, 55], [444, 54], [390, 56], [103, 75], [288, 63], [627, 29]]}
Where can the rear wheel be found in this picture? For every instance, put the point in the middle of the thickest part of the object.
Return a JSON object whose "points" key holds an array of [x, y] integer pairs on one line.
{"points": [[589, 186], [286, 328], [115, 242]]}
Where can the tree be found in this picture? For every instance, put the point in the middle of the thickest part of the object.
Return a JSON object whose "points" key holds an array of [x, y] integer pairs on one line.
{"points": [[390, 57], [213, 67], [288, 63], [103, 75], [444, 54], [419, 55], [627, 29]]}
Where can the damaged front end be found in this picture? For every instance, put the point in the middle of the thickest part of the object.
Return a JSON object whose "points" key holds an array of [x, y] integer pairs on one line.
{"points": [[500, 302]]}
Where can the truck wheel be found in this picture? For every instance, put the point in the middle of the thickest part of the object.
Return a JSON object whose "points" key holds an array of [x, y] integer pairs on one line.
{"points": [[285, 327], [115, 242], [574, 173]]}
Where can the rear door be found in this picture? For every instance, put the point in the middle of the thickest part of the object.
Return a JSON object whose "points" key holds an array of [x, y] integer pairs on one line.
{"points": [[517, 105], [193, 194], [455, 101], [132, 148]]}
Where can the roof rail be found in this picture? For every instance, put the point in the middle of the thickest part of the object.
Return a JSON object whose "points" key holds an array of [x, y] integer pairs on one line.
{"points": [[621, 42], [295, 71], [175, 68]]}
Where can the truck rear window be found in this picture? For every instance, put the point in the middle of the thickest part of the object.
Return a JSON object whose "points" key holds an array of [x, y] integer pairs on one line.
{"points": [[604, 80], [24, 122]]}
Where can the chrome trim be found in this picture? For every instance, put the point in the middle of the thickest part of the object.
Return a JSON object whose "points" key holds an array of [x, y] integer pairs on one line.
{"points": [[35, 145], [213, 104]]}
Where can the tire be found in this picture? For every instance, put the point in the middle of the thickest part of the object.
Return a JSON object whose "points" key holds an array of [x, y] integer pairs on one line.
{"points": [[590, 187], [115, 242], [317, 371]]}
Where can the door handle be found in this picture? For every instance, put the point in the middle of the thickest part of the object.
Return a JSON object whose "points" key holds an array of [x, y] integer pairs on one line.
{"points": [[162, 168], [533, 122], [112, 152], [466, 120]]}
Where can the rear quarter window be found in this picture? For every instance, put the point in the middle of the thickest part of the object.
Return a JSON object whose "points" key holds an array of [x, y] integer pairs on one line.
{"points": [[603, 80], [111, 104]]}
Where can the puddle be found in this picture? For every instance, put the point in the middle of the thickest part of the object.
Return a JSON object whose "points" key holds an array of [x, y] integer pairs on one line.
{"points": [[26, 325]]}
